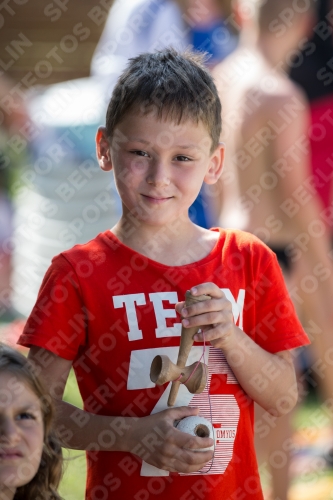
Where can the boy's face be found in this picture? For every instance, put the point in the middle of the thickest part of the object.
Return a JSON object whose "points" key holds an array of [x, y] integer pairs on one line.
{"points": [[159, 166]]}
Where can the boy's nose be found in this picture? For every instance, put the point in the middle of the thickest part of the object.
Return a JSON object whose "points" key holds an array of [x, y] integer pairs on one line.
{"points": [[158, 175]]}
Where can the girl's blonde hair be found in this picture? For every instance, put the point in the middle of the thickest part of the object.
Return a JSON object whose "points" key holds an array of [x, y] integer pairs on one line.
{"points": [[44, 484]]}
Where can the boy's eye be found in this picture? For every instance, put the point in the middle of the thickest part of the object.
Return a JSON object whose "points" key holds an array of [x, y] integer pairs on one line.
{"points": [[138, 152], [182, 158]]}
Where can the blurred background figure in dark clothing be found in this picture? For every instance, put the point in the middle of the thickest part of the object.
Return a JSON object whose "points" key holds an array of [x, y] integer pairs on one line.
{"points": [[312, 69]]}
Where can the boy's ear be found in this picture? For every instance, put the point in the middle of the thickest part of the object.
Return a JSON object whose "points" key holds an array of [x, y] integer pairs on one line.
{"points": [[215, 165], [103, 150]]}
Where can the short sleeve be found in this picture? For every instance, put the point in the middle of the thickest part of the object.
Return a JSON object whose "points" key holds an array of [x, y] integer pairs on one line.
{"points": [[277, 325], [57, 321]]}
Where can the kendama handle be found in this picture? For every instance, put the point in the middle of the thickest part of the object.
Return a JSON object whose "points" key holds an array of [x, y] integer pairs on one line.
{"points": [[186, 343]]}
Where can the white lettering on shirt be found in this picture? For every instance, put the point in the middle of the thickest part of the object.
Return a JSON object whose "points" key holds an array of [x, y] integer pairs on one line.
{"points": [[161, 314], [237, 305], [130, 300]]}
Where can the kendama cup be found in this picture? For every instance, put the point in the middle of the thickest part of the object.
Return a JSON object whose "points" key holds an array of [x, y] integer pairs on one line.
{"points": [[164, 370], [194, 376]]}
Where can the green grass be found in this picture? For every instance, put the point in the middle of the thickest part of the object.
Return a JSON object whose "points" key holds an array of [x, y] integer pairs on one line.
{"points": [[73, 483], [312, 413], [72, 394]]}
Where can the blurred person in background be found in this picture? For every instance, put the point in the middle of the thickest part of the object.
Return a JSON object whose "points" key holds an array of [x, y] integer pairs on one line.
{"points": [[268, 189], [11, 120], [148, 25], [313, 71]]}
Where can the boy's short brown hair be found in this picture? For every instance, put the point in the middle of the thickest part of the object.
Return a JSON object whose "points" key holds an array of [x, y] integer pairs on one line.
{"points": [[175, 85]]}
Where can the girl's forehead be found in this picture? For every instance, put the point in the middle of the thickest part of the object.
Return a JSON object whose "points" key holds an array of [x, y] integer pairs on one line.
{"points": [[15, 391]]}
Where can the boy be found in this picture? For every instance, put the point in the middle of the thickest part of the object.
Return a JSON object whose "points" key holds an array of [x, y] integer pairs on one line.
{"points": [[107, 307]]}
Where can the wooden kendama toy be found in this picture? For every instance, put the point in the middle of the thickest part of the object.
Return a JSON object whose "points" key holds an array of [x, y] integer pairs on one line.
{"points": [[194, 376]]}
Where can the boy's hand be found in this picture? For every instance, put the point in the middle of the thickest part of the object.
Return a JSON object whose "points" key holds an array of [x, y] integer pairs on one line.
{"points": [[159, 443], [214, 316]]}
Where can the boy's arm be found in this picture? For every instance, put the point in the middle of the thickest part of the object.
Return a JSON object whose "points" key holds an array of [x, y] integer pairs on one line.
{"points": [[269, 379], [152, 438]]}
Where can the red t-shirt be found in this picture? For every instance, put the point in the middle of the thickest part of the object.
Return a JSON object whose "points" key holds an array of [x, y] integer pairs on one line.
{"points": [[111, 310]]}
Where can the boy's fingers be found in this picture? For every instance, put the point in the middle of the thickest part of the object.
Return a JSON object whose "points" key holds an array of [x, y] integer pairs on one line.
{"points": [[192, 461], [186, 460], [216, 317], [182, 411], [218, 332], [214, 305], [207, 289], [196, 443], [218, 336], [190, 442], [179, 306]]}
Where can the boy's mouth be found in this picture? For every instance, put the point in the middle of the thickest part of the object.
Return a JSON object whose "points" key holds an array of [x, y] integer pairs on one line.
{"points": [[156, 199]]}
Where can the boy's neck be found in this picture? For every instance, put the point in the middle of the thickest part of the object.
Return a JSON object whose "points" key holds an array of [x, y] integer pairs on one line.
{"points": [[172, 245]]}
